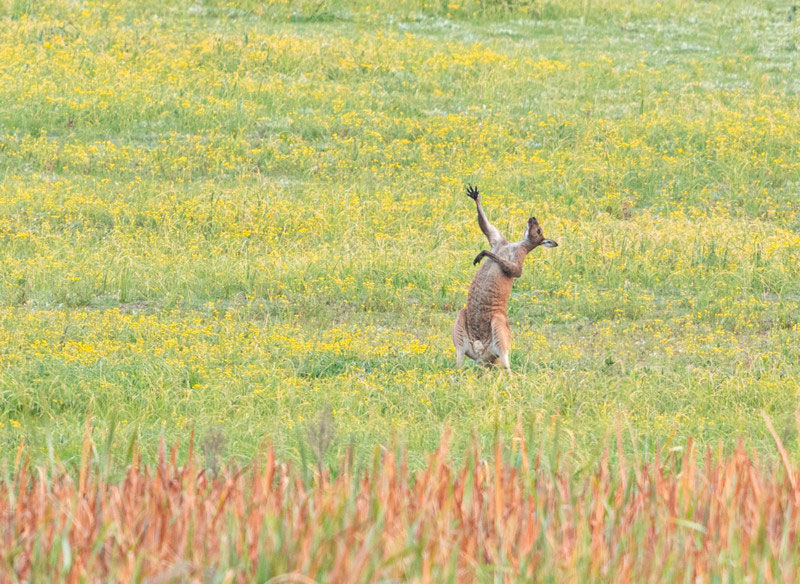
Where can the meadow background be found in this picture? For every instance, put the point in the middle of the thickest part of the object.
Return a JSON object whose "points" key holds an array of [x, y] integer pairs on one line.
{"points": [[233, 218]]}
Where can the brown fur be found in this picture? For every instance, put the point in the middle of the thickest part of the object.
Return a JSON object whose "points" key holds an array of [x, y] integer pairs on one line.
{"points": [[481, 330]]}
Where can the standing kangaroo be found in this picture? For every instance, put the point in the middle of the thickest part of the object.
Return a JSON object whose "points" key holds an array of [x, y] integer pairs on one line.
{"points": [[481, 329]]}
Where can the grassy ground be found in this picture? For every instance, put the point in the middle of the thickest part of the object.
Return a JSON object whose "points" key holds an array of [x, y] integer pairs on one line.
{"points": [[234, 217]]}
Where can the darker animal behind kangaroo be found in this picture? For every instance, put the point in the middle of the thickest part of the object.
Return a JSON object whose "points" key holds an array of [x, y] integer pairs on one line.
{"points": [[481, 330]]}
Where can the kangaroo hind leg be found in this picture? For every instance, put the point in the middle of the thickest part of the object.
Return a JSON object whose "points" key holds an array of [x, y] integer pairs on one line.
{"points": [[460, 337], [501, 340]]}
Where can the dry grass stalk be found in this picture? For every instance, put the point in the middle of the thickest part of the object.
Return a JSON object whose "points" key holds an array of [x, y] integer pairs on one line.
{"points": [[670, 520]]}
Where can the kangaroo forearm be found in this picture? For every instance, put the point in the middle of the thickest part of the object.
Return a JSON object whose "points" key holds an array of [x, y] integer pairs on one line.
{"points": [[483, 222], [509, 269]]}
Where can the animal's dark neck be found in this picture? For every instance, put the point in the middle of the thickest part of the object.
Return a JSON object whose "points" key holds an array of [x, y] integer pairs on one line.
{"points": [[526, 246]]}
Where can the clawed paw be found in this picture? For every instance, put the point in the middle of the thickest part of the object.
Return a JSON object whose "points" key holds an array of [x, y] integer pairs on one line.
{"points": [[472, 192], [479, 257]]}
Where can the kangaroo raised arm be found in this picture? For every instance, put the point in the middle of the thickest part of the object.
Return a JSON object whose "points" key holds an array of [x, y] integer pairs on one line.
{"points": [[481, 329]]}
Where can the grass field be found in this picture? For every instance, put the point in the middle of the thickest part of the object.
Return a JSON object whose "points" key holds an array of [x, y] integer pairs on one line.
{"points": [[234, 218]]}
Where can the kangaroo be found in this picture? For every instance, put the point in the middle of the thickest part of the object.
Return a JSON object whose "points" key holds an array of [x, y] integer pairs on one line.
{"points": [[481, 329]]}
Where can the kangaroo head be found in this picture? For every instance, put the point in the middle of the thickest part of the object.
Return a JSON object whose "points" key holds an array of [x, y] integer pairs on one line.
{"points": [[534, 237]]}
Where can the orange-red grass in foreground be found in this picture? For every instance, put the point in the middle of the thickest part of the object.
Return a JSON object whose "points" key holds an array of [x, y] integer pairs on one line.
{"points": [[522, 517]]}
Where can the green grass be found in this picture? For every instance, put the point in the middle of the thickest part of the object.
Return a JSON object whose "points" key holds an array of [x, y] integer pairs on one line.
{"points": [[232, 217]]}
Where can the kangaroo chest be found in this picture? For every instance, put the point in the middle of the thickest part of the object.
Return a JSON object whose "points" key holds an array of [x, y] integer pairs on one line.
{"points": [[488, 296]]}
